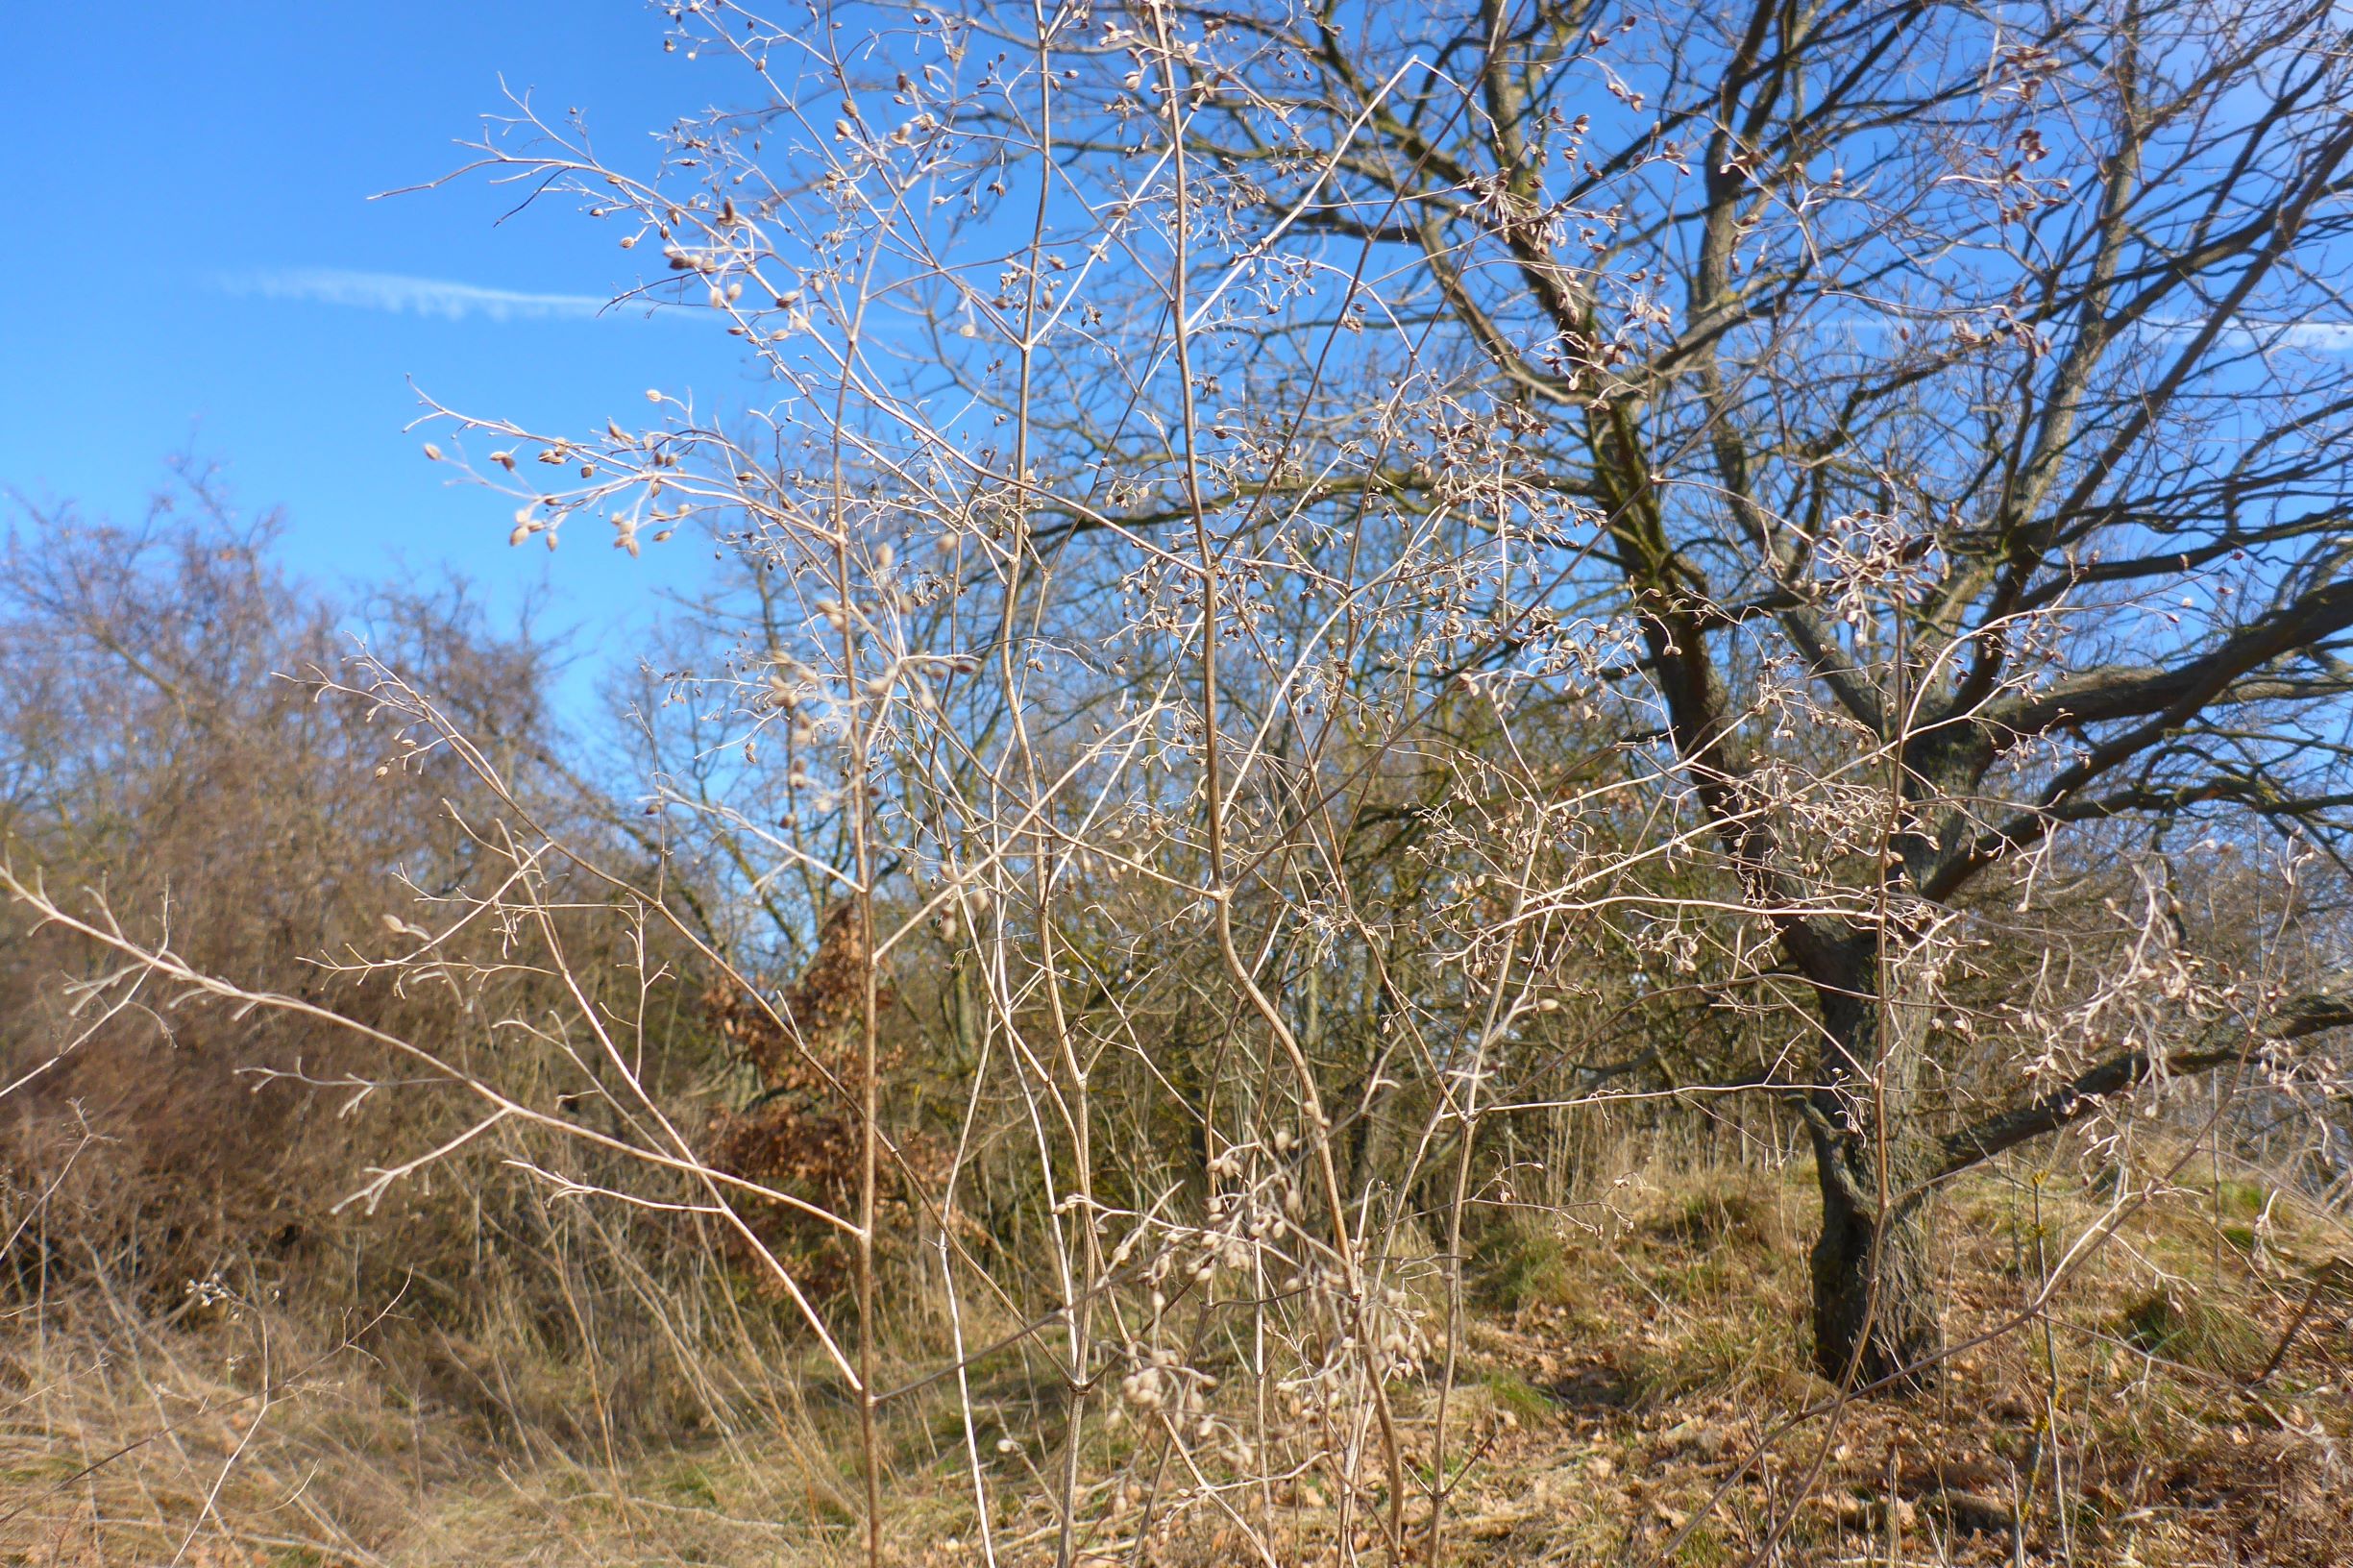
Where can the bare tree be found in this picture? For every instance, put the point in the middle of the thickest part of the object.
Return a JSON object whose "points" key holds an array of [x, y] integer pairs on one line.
{"points": [[1973, 371], [1920, 428], [1315, 586]]}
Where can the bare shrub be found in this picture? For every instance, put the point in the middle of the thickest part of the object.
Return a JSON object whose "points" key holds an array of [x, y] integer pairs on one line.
{"points": [[1318, 596]]}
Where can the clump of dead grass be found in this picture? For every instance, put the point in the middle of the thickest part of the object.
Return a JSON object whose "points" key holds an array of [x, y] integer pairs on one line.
{"points": [[1631, 1383]]}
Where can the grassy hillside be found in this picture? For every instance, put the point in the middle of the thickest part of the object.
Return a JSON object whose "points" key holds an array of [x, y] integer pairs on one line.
{"points": [[1633, 1387]]}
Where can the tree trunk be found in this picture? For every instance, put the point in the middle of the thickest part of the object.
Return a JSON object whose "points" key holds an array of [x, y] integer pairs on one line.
{"points": [[1878, 1320]]}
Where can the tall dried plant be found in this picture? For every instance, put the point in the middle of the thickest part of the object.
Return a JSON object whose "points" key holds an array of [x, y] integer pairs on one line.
{"points": [[1301, 566]]}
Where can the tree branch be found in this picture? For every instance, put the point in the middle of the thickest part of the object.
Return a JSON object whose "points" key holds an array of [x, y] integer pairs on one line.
{"points": [[2090, 1090]]}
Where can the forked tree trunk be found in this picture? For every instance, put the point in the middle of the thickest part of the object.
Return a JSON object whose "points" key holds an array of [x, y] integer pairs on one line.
{"points": [[1878, 1316]]}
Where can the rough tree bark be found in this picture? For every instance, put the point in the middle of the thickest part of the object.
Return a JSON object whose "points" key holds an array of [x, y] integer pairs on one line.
{"points": [[1876, 1316], [1877, 1319]]}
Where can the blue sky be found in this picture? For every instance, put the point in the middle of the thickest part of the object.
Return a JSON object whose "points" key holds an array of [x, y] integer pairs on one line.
{"points": [[197, 267]]}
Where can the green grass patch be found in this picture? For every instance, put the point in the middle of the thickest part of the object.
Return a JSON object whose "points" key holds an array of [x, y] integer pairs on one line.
{"points": [[1716, 1215], [1523, 1262], [2244, 1199], [2195, 1332], [693, 1486], [1512, 1393], [1702, 1549]]}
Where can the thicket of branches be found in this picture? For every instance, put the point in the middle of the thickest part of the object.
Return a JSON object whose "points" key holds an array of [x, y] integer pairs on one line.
{"points": [[1316, 588]]}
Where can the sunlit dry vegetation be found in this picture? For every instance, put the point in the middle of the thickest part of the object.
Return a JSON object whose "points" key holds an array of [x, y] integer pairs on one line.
{"points": [[1529, 781]]}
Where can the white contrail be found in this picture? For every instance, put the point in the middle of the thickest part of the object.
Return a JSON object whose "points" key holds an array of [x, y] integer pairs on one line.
{"points": [[411, 295]]}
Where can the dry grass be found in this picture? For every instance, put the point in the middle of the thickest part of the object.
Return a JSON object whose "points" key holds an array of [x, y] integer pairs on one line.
{"points": [[1634, 1388]]}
